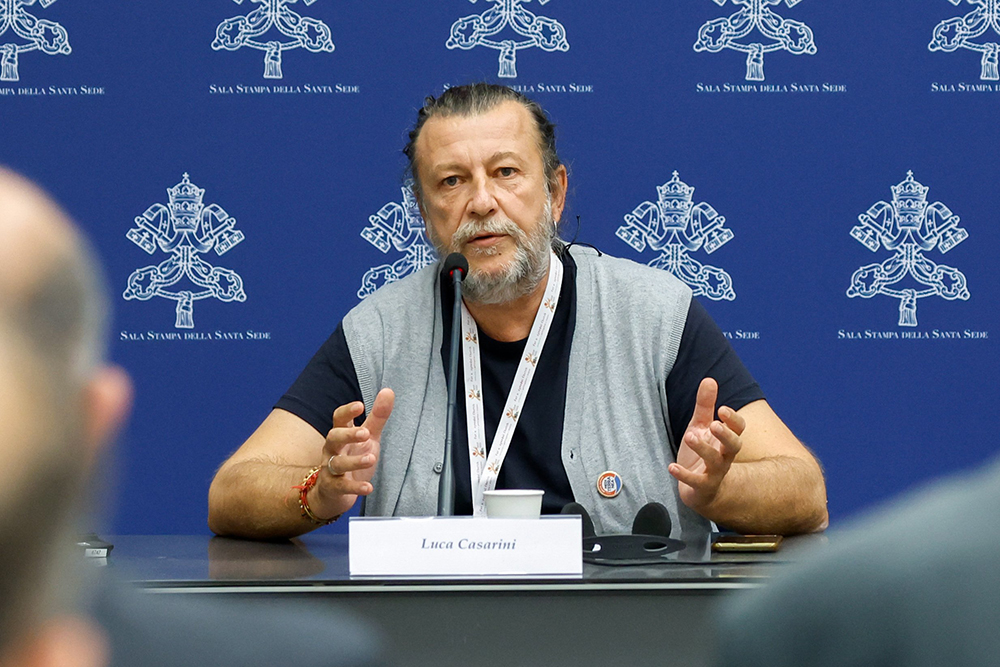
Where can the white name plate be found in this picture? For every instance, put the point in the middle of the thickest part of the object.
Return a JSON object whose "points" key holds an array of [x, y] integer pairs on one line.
{"points": [[429, 547]]}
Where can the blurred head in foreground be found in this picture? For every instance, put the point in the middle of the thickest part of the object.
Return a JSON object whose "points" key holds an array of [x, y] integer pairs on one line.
{"points": [[58, 405]]}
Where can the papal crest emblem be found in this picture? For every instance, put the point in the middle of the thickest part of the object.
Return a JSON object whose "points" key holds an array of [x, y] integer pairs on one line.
{"points": [[755, 30], [185, 229], [524, 30], [273, 28], [962, 32], [675, 227], [27, 34], [399, 226], [909, 227]]}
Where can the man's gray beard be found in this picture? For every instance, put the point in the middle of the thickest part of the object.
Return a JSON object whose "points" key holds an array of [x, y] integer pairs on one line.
{"points": [[524, 272]]}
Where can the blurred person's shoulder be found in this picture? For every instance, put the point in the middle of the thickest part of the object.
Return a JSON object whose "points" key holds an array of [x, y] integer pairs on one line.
{"points": [[914, 582]]}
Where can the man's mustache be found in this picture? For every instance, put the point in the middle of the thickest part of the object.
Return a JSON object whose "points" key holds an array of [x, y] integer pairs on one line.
{"points": [[473, 228]]}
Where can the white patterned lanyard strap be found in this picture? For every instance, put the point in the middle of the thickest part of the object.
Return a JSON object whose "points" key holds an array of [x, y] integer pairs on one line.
{"points": [[483, 470]]}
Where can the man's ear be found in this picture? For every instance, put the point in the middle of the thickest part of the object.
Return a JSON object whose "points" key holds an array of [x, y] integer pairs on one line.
{"points": [[558, 186], [107, 401]]}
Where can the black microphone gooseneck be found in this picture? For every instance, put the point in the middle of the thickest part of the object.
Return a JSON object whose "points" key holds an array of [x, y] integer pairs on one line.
{"points": [[455, 266]]}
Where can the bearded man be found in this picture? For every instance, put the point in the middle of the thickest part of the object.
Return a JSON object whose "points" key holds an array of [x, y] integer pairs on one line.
{"points": [[580, 368]]}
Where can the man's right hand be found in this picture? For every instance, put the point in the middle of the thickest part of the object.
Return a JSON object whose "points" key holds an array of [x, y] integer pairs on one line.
{"points": [[350, 455]]}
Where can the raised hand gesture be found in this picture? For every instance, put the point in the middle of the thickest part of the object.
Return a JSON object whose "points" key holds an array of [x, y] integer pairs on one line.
{"points": [[351, 452], [707, 449]]}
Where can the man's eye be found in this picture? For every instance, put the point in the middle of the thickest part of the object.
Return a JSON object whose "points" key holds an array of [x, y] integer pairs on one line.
{"points": [[451, 181], [507, 171]]}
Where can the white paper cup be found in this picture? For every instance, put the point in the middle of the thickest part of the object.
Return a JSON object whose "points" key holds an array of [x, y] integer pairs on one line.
{"points": [[513, 503]]}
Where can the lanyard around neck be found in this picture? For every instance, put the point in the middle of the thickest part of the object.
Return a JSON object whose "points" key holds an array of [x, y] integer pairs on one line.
{"points": [[485, 470]]}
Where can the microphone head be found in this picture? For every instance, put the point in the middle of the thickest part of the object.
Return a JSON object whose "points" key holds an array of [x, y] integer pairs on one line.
{"points": [[588, 523], [652, 519], [456, 261]]}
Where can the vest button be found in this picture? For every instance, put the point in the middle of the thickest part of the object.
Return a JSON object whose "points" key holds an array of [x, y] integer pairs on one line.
{"points": [[438, 467]]}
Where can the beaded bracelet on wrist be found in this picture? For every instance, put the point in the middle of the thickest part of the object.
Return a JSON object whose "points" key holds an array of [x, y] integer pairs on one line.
{"points": [[307, 513]]}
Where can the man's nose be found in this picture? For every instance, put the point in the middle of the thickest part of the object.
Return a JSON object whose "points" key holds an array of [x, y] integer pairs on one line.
{"points": [[483, 204]]}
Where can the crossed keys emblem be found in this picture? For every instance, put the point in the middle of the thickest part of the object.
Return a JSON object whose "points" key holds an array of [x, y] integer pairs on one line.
{"points": [[249, 31], [959, 32], [396, 226], [675, 227], [909, 226], [185, 229], [785, 34], [531, 30], [39, 34]]}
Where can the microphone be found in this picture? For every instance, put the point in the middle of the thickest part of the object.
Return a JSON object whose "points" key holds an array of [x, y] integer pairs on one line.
{"points": [[455, 261], [455, 266]]}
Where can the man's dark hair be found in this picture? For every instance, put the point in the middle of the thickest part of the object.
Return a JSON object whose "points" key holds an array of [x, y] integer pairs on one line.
{"points": [[478, 98]]}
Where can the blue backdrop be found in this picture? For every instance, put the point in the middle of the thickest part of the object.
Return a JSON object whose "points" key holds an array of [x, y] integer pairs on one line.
{"points": [[792, 122]]}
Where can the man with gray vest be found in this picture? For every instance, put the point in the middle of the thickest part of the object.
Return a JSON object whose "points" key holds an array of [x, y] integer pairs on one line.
{"points": [[579, 370]]}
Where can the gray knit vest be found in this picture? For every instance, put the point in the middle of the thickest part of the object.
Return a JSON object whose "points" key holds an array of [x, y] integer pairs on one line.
{"points": [[629, 320]]}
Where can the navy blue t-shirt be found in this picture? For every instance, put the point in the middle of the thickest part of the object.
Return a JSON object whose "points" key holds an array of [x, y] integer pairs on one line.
{"points": [[534, 458]]}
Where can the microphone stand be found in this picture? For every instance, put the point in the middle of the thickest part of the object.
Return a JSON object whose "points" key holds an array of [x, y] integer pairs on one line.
{"points": [[446, 487]]}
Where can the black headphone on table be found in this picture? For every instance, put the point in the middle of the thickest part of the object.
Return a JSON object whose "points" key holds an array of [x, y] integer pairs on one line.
{"points": [[649, 540]]}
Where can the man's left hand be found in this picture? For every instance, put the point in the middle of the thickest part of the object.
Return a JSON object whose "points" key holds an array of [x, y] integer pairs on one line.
{"points": [[707, 449]]}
